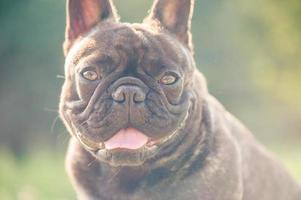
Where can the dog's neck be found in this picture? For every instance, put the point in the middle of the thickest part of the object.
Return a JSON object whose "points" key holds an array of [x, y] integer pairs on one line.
{"points": [[175, 165]]}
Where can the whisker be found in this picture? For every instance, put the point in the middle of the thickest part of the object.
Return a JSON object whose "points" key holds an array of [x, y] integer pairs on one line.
{"points": [[60, 76], [114, 175], [63, 138], [50, 110], [54, 123], [82, 124], [90, 163]]}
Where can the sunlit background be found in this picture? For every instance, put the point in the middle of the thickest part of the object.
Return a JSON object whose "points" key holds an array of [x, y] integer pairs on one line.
{"points": [[250, 52]]}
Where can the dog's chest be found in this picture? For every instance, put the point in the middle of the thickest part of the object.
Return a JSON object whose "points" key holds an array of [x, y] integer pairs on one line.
{"points": [[189, 188]]}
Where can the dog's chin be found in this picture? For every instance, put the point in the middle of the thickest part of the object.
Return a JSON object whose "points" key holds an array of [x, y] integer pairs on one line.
{"points": [[130, 147]]}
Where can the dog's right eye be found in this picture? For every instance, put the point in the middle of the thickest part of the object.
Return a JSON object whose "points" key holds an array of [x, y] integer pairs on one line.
{"points": [[169, 79], [90, 75]]}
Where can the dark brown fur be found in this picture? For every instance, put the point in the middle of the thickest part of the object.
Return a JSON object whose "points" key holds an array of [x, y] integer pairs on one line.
{"points": [[209, 155]]}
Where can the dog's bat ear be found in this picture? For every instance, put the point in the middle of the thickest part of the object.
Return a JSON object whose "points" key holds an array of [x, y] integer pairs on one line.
{"points": [[174, 16], [82, 15]]}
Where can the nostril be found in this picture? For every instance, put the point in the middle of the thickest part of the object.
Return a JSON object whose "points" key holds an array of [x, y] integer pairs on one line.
{"points": [[139, 97], [118, 96]]}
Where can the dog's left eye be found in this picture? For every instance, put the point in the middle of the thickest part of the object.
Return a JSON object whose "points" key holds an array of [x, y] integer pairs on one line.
{"points": [[90, 75], [168, 79]]}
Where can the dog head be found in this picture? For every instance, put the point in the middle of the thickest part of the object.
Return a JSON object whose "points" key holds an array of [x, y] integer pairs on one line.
{"points": [[128, 87]]}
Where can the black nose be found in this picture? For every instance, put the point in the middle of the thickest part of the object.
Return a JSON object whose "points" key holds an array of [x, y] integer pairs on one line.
{"points": [[129, 94]]}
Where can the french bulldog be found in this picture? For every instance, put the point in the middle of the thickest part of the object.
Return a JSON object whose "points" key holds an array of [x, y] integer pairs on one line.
{"points": [[143, 124]]}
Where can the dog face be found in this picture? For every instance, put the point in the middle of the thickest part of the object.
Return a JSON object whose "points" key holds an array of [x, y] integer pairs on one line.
{"points": [[127, 92]]}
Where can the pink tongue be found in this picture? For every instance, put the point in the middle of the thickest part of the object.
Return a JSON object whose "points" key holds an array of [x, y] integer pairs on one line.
{"points": [[127, 138]]}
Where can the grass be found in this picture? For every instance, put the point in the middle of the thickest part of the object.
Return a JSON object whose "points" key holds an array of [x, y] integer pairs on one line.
{"points": [[41, 175], [290, 156]]}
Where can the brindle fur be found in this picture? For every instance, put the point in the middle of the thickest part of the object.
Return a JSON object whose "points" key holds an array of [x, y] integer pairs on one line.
{"points": [[214, 157]]}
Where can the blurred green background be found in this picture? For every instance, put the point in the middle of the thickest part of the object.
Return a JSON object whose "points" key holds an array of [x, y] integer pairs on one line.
{"points": [[250, 52]]}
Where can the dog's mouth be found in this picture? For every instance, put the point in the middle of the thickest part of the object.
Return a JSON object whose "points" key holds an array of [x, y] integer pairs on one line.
{"points": [[128, 138], [129, 146]]}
